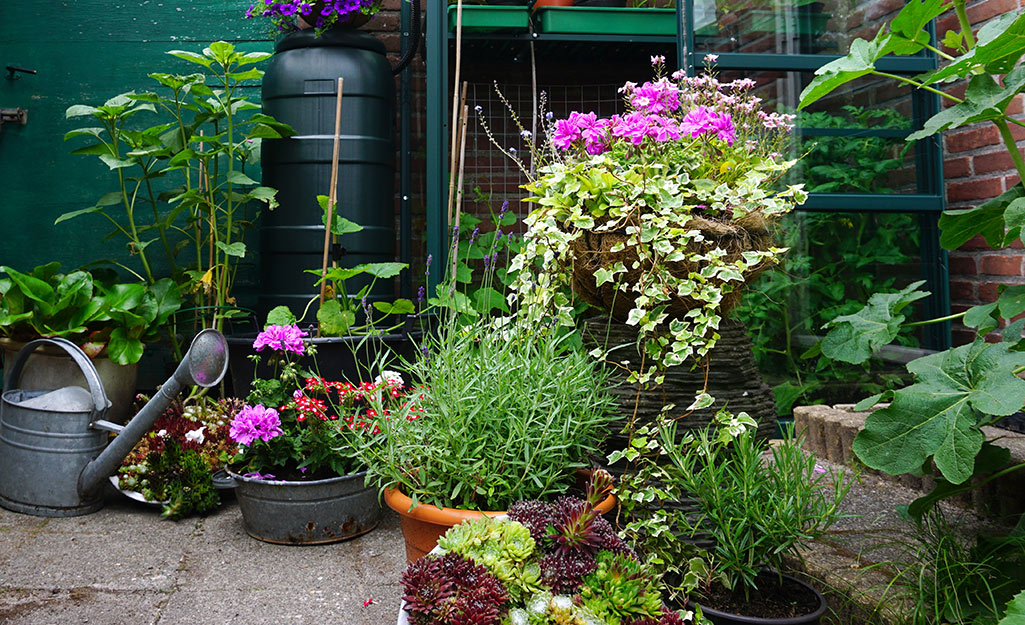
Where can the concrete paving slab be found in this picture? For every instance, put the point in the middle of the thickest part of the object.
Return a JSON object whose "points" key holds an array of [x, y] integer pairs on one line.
{"points": [[324, 603], [224, 558], [79, 605]]}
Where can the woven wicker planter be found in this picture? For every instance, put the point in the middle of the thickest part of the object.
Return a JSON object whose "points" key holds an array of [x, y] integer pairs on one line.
{"points": [[593, 251]]}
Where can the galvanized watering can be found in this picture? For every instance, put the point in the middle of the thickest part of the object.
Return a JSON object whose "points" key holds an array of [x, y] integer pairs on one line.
{"points": [[53, 458]]}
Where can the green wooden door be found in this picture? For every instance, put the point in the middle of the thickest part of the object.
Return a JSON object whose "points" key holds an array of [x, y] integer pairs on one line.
{"points": [[86, 51]]}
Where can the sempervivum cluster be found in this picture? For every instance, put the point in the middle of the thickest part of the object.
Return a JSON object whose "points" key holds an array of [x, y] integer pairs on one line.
{"points": [[556, 563], [451, 589]]}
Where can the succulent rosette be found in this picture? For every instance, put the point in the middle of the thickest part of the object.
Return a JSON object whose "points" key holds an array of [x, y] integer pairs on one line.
{"points": [[546, 562]]}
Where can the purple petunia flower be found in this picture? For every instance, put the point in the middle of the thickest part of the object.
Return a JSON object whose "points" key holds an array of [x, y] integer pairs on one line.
{"points": [[281, 338], [255, 422]]}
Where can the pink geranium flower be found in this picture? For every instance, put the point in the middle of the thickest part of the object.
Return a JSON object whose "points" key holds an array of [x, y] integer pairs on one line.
{"points": [[281, 338]]}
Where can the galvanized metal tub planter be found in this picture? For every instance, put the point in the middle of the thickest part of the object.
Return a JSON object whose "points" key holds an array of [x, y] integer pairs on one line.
{"points": [[307, 513]]}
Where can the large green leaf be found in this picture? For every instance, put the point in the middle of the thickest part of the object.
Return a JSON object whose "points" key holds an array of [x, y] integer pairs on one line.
{"points": [[998, 47], [910, 23], [280, 316], [859, 62], [853, 338], [398, 307], [333, 320], [985, 100], [1014, 613], [987, 219], [991, 458], [938, 417], [122, 349], [168, 299], [383, 270], [915, 426], [33, 288]]}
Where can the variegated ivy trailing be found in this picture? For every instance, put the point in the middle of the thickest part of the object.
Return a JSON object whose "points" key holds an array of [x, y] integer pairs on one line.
{"points": [[659, 215]]}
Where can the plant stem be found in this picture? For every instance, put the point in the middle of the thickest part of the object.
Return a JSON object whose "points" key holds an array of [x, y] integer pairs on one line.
{"points": [[939, 52], [918, 85], [1011, 145], [966, 26], [936, 320]]}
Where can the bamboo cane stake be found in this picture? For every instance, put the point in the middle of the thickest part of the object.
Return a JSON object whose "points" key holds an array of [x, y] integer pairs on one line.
{"points": [[456, 133], [456, 107], [332, 194], [459, 185]]}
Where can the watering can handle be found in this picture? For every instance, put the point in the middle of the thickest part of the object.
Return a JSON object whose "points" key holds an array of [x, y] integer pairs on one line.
{"points": [[88, 370]]}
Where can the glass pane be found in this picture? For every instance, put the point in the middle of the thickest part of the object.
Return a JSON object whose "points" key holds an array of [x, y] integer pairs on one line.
{"points": [[786, 26], [835, 263], [850, 142]]}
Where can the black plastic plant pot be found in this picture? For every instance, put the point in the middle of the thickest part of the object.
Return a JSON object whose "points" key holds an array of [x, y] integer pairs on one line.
{"points": [[791, 583]]}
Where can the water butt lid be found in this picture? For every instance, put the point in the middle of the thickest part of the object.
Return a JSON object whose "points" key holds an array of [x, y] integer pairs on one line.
{"points": [[334, 37]]}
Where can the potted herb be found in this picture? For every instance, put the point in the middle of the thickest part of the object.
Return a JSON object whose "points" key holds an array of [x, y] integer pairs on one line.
{"points": [[503, 412], [299, 471], [759, 505], [173, 465], [111, 321], [660, 215], [543, 563]]}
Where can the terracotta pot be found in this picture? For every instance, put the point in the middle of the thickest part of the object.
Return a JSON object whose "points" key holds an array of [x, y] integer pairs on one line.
{"points": [[423, 525], [540, 4]]}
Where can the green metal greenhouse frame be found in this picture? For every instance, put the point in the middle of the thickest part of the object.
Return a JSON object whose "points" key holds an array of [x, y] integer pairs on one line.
{"points": [[927, 202]]}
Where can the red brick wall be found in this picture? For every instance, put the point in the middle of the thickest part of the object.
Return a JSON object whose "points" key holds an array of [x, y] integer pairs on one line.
{"points": [[977, 168]]}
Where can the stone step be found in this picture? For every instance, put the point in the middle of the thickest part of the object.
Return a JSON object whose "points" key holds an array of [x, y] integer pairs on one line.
{"points": [[829, 432]]}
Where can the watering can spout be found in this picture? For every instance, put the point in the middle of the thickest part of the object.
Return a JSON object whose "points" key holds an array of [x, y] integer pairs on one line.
{"points": [[204, 365]]}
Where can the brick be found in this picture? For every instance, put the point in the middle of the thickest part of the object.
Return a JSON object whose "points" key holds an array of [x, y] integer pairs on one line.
{"points": [[988, 9], [961, 336], [972, 138], [945, 23], [988, 291], [1014, 107], [1001, 265], [960, 290], [963, 266], [882, 8], [975, 243], [974, 189], [1018, 132], [957, 167], [1017, 245], [994, 161]]}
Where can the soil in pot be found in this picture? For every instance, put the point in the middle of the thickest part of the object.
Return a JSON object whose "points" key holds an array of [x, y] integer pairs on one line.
{"points": [[776, 599]]}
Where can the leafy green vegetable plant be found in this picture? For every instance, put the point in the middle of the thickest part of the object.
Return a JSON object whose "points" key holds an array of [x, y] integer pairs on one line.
{"points": [[91, 309], [182, 183], [934, 425]]}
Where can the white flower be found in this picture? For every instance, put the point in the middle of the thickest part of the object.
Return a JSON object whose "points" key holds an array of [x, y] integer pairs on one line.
{"points": [[196, 436], [711, 58], [392, 378], [162, 433]]}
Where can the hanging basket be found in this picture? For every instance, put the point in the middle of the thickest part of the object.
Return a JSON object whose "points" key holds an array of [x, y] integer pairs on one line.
{"points": [[593, 251], [353, 21]]}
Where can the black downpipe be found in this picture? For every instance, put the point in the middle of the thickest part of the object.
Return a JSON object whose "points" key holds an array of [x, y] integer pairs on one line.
{"points": [[414, 29]]}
